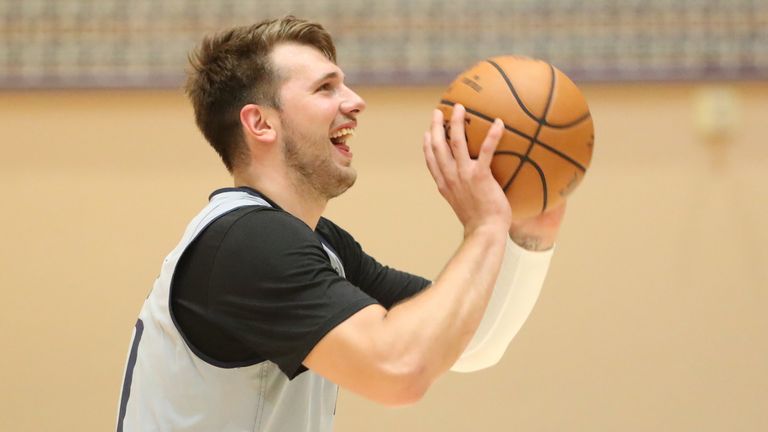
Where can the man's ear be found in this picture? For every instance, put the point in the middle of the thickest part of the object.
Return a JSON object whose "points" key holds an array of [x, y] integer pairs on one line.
{"points": [[256, 123]]}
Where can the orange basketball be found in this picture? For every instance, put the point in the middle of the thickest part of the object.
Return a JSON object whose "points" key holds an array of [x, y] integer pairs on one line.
{"points": [[548, 135]]}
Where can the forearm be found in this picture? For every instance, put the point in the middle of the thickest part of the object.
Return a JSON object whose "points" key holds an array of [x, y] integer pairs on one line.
{"points": [[522, 275], [517, 289], [431, 330]]}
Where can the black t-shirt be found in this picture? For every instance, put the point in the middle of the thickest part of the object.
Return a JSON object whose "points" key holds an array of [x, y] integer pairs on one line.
{"points": [[257, 285]]}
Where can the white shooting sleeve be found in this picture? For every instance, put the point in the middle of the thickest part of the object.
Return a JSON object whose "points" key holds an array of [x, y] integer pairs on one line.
{"points": [[517, 288]]}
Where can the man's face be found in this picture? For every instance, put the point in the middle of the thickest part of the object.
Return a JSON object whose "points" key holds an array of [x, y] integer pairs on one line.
{"points": [[317, 117]]}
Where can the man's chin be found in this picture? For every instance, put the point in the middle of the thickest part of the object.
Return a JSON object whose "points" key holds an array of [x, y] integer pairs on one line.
{"points": [[345, 182]]}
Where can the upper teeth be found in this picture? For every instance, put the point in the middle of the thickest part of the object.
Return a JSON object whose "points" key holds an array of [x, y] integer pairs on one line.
{"points": [[342, 132]]}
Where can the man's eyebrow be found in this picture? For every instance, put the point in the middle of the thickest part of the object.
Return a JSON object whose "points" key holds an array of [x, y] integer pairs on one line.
{"points": [[329, 75]]}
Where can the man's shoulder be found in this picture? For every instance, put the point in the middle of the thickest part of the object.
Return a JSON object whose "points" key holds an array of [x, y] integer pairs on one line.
{"points": [[247, 221], [342, 242], [332, 232]]}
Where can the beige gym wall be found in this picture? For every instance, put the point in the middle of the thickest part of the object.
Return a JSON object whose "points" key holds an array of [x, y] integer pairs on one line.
{"points": [[653, 316]]}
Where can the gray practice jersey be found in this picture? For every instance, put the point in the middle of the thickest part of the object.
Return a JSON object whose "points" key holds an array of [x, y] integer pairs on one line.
{"points": [[167, 387]]}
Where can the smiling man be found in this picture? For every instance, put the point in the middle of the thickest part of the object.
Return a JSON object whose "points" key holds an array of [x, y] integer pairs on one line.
{"points": [[265, 307]]}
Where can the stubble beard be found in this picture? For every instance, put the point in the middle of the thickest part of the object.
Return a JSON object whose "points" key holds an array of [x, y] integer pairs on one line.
{"points": [[314, 168]]}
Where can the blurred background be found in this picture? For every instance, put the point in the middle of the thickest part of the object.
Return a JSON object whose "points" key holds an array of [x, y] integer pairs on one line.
{"points": [[653, 313]]}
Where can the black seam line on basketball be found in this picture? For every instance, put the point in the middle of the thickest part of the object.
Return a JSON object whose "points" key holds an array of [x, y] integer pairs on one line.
{"points": [[562, 155], [567, 125], [514, 92], [488, 118], [517, 132], [543, 184], [522, 157], [541, 124], [535, 166], [512, 153]]}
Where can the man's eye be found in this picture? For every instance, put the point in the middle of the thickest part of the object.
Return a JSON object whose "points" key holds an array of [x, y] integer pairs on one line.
{"points": [[324, 87]]}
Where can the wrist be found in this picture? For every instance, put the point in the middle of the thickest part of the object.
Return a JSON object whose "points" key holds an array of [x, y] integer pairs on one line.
{"points": [[531, 242], [492, 230]]}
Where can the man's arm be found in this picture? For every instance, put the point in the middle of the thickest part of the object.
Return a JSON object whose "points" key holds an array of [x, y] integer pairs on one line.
{"points": [[393, 356]]}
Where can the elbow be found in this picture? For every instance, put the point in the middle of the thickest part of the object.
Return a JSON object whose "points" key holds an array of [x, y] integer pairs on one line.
{"points": [[410, 392], [406, 385]]}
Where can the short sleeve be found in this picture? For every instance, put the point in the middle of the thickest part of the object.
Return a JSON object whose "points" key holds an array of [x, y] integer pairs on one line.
{"points": [[270, 289], [387, 285]]}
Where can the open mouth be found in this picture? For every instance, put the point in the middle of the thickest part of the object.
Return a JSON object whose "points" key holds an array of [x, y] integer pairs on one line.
{"points": [[341, 136]]}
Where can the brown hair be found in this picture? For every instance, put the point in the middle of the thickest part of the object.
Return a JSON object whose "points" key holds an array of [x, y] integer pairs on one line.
{"points": [[232, 68]]}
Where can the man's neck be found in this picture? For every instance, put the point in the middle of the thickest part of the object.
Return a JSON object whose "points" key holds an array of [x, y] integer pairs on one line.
{"points": [[302, 201]]}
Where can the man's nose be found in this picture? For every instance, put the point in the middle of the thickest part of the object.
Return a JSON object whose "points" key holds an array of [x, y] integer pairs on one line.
{"points": [[353, 103]]}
